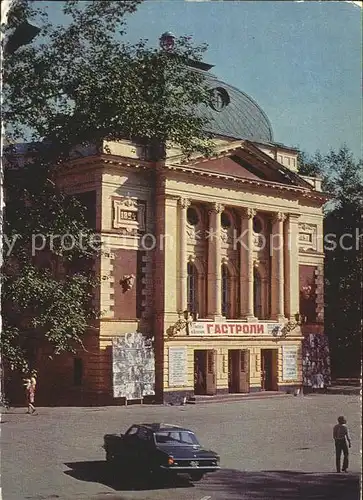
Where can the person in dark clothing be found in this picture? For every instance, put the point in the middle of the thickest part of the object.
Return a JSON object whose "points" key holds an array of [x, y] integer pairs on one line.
{"points": [[342, 440]]}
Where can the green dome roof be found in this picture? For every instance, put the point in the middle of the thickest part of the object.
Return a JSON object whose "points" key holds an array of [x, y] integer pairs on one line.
{"points": [[233, 113]]}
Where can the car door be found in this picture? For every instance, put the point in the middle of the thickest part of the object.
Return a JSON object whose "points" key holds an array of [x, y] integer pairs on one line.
{"points": [[146, 448], [131, 445]]}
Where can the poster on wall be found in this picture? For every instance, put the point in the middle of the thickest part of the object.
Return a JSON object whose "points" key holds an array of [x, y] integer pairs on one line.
{"points": [[316, 361], [133, 366], [178, 367], [289, 362]]}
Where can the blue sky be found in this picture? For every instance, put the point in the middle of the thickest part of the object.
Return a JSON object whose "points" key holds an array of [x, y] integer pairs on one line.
{"points": [[301, 61]]}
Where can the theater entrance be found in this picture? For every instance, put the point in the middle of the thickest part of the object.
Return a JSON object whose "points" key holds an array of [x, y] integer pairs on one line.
{"points": [[238, 370], [205, 372], [269, 366]]}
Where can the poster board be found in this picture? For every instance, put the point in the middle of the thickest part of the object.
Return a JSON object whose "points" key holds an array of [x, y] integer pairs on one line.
{"points": [[178, 366], [133, 366], [289, 362]]}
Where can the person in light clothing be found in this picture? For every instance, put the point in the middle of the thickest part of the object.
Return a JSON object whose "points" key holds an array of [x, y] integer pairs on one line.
{"points": [[30, 386], [342, 440]]}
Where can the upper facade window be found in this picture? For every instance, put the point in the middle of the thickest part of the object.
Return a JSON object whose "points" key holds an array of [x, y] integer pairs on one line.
{"points": [[225, 292], [192, 216], [257, 225], [225, 220], [192, 288]]}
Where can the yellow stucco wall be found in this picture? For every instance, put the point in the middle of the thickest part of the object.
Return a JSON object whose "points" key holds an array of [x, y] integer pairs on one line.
{"points": [[221, 347]]}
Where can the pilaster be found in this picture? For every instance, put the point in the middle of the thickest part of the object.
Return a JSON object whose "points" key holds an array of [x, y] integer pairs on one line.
{"points": [[184, 203], [277, 268], [246, 264], [214, 262], [291, 247]]}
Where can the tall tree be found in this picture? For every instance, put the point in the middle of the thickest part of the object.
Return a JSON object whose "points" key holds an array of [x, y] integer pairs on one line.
{"points": [[79, 83], [310, 165], [343, 229], [344, 259]]}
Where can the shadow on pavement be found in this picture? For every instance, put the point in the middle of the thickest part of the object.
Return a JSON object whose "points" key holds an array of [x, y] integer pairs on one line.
{"points": [[233, 484], [100, 472], [283, 485]]}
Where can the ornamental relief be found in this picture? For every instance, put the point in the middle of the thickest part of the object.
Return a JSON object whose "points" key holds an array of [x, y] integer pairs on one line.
{"points": [[195, 235], [307, 236], [128, 215], [259, 241], [191, 232], [227, 235]]}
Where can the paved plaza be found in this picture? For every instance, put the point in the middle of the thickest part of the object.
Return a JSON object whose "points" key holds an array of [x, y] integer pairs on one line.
{"points": [[276, 448]]}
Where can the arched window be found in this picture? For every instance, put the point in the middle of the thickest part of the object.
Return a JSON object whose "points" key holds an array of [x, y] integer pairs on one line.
{"points": [[257, 297], [192, 288], [226, 306]]}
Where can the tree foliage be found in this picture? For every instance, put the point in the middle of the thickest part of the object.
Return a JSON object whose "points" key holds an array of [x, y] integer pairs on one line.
{"points": [[310, 166], [78, 83], [343, 229], [82, 83], [45, 234]]}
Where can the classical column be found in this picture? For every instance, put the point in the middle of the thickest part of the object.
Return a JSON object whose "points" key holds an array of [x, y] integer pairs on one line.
{"points": [[214, 262], [246, 264], [292, 296], [277, 267], [184, 204]]}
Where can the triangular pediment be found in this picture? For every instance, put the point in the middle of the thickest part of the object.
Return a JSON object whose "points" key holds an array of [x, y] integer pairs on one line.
{"points": [[246, 161]]}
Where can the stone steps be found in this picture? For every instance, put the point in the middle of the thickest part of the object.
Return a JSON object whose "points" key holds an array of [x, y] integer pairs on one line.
{"points": [[356, 382], [232, 397], [343, 389]]}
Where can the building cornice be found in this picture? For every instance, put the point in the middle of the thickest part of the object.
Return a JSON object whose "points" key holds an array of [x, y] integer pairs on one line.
{"points": [[106, 160], [304, 192]]}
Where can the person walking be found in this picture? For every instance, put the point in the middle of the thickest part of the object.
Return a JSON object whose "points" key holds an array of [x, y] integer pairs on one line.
{"points": [[30, 386], [342, 440]]}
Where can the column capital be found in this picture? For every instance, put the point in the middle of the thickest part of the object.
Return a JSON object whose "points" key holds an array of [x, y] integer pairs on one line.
{"points": [[293, 217], [248, 213], [217, 208], [279, 217], [184, 203]]}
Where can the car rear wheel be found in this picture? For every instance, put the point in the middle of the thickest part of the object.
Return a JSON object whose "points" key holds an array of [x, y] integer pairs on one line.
{"points": [[196, 476]]}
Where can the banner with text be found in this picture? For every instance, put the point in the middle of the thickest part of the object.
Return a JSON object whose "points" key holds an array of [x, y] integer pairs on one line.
{"points": [[206, 328]]}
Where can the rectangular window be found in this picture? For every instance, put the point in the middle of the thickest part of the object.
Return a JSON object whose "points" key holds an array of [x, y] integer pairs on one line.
{"points": [[77, 371], [192, 292], [88, 202], [307, 293], [225, 292]]}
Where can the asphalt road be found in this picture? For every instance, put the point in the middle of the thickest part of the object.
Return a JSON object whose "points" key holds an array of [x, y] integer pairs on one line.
{"points": [[277, 448]]}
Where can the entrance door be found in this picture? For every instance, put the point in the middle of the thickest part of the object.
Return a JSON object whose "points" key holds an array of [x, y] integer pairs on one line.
{"points": [[211, 372], [233, 370], [244, 374], [238, 370], [269, 369], [205, 372]]}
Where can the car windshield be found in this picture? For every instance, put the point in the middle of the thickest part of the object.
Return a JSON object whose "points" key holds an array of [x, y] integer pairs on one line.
{"points": [[176, 438]]}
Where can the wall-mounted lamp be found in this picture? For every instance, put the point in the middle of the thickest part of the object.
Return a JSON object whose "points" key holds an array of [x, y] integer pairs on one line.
{"points": [[127, 282]]}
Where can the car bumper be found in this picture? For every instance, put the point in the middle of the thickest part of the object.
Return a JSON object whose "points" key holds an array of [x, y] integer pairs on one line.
{"points": [[188, 470]]}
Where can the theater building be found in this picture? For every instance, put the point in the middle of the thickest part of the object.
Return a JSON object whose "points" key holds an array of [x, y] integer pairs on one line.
{"points": [[218, 260]]}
